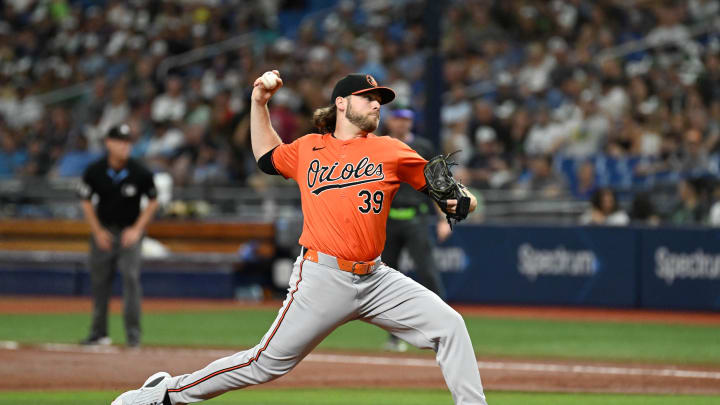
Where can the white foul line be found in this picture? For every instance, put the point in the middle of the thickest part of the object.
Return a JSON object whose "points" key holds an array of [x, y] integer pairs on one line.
{"points": [[402, 361], [513, 366], [9, 345], [578, 369]]}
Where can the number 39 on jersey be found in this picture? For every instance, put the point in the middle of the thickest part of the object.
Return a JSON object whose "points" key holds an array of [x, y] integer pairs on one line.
{"points": [[371, 202]]}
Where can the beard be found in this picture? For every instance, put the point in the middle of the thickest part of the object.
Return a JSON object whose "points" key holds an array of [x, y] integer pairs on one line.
{"points": [[367, 123]]}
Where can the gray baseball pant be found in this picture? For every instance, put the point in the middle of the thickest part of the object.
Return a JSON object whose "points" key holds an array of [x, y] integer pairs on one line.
{"points": [[321, 298], [103, 266]]}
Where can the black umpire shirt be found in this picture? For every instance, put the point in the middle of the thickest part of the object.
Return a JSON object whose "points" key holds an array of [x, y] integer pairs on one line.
{"points": [[407, 196], [119, 191]]}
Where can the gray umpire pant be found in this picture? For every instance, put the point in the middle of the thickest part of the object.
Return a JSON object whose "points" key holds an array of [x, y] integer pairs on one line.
{"points": [[414, 235], [103, 265]]}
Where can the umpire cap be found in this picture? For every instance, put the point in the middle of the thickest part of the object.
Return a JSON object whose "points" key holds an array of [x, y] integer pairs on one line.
{"points": [[358, 83], [120, 132]]}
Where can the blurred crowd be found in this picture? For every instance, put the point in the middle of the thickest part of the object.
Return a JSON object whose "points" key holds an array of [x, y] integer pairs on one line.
{"points": [[556, 98], [584, 98]]}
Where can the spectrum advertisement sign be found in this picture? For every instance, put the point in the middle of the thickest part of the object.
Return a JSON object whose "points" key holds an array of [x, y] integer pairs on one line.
{"points": [[545, 265], [680, 268]]}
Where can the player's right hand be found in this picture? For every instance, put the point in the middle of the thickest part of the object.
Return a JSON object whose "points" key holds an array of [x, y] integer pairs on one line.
{"points": [[262, 95], [103, 239]]}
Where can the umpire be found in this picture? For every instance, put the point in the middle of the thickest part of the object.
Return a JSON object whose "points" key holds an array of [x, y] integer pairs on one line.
{"points": [[407, 225], [117, 226]]}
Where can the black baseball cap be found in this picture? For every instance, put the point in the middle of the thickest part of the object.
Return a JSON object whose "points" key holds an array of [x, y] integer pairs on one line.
{"points": [[120, 132], [358, 83]]}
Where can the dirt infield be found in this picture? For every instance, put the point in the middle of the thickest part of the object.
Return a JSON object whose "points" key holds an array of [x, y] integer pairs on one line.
{"points": [[47, 367], [67, 367]]}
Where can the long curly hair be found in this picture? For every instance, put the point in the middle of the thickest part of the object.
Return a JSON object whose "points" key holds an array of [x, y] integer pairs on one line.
{"points": [[324, 118]]}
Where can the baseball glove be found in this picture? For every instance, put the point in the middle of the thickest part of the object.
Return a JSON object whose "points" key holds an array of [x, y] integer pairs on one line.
{"points": [[442, 186]]}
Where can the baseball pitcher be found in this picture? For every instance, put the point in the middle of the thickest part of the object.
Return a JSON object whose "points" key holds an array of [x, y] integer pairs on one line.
{"points": [[347, 178]]}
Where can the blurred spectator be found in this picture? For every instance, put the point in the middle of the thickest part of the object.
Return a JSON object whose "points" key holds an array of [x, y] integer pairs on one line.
{"points": [[669, 29], [632, 139], [709, 80], [181, 159], [488, 168], [586, 181], [170, 106], [613, 99], [535, 76], [141, 85], [483, 120], [540, 178], [88, 112], [75, 160], [198, 161], [38, 161], [116, 110], [604, 210], [163, 145], [199, 111], [545, 137], [21, 109], [210, 166], [57, 131], [140, 132], [455, 140], [519, 124], [224, 117], [589, 138], [692, 208], [692, 158], [12, 157], [367, 59], [643, 211], [714, 214]]}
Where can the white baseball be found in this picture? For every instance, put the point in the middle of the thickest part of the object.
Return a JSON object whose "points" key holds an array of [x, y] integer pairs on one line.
{"points": [[269, 80]]}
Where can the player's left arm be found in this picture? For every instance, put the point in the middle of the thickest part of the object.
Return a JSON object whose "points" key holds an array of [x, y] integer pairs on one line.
{"points": [[452, 203], [411, 170]]}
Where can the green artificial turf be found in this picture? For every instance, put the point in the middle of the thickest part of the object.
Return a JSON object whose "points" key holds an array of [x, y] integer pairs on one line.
{"points": [[647, 342], [365, 397]]}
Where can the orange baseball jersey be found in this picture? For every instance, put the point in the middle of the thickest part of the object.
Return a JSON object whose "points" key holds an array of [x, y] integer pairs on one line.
{"points": [[346, 188]]}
